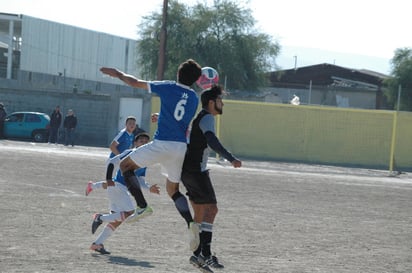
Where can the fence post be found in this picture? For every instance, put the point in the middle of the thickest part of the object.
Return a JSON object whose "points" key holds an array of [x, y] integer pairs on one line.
{"points": [[218, 133], [394, 126], [310, 91]]}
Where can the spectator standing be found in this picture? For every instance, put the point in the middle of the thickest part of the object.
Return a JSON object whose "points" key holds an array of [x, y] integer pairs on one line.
{"points": [[3, 115], [70, 123], [55, 122]]}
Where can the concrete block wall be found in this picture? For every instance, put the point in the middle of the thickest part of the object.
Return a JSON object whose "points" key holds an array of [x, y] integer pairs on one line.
{"points": [[95, 104], [91, 111]]}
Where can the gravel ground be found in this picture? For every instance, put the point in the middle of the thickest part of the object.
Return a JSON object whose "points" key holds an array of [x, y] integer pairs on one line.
{"points": [[273, 217]]}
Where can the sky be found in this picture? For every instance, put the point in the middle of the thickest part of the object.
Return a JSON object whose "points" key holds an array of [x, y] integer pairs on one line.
{"points": [[360, 34]]}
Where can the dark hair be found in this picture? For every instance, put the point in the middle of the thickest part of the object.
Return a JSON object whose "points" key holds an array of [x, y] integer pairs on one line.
{"points": [[189, 72], [143, 134], [130, 118], [211, 93]]}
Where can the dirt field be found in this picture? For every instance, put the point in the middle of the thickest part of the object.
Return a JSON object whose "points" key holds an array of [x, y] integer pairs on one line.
{"points": [[273, 217]]}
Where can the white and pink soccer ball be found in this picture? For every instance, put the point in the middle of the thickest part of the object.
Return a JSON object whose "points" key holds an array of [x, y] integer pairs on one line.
{"points": [[208, 78]]}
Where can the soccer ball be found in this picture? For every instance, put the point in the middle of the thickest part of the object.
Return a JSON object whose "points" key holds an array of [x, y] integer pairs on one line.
{"points": [[208, 78]]}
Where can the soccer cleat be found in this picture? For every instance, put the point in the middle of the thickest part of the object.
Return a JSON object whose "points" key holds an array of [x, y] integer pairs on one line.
{"points": [[211, 261], [194, 237], [139, 214], [89, 188], [96, 222], [99, 248], [196, 262]]}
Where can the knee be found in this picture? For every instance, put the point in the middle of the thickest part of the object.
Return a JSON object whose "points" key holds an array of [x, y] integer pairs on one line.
{"points": [[124, 166]]}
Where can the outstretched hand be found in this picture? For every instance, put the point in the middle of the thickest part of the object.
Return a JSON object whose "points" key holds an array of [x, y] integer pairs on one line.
{"points": [[113, 72]]}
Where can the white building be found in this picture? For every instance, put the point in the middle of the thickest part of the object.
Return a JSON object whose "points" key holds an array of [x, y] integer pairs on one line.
{"points": [[41, 46], [44, 64]]}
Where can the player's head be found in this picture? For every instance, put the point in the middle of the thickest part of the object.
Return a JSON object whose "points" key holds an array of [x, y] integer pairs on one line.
{"points": [[212, 99], [130, 123], [188, 72], [141, 139]]}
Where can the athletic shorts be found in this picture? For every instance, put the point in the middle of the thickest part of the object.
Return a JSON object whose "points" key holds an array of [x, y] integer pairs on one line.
{"points": [[169, 154], [119, 198], [199, 187]]}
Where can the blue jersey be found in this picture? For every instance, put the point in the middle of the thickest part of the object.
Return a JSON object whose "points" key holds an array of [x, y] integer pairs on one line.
{"points": [[125, 140], [178, 105]]}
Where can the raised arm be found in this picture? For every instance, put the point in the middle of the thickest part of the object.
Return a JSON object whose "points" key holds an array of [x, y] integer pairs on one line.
{"points": [[128, 79]]}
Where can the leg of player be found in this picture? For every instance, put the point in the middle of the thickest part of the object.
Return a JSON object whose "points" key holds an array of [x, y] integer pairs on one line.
{"points": [[103, 236], [98, 218], [197, 259], [182, 207], [95, 185], [209, 214], [198, 212], [128, 166], [180, 201]]}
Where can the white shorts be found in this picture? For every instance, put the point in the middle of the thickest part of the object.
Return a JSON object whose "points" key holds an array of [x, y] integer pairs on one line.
{"points": [[119, 198], [169, 154]]}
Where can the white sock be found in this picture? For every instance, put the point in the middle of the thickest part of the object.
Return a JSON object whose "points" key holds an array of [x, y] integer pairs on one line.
{"points": [[98, 185], [106, 233], [116, 216]]}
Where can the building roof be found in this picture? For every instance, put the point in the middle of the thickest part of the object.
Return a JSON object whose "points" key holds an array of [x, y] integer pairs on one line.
{"points": [[328, 74]]}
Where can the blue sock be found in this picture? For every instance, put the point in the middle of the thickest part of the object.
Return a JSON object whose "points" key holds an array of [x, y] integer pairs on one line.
{"points": [[182, 207]]}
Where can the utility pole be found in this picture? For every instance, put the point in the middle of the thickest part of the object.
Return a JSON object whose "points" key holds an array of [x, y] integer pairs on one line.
{"points": [[296, 61], [163, 39]]}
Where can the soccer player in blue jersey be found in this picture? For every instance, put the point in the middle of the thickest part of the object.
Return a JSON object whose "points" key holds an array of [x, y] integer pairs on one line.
{"points": [[121, 206], [178, 105], [195, 175], [124, 139], [121, 142]]}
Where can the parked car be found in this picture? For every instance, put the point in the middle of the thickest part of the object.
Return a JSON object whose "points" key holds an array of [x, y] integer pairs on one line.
{"points": [[27, 125]]}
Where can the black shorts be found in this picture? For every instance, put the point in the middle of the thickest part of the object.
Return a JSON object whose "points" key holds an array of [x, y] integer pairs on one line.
{"points": [[199, 187]]}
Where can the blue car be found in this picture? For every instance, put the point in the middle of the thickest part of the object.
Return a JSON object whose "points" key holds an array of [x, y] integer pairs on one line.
{"points": [[27, 125]]}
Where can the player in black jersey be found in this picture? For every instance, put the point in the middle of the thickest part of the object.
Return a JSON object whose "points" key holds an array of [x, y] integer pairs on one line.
{"points": [[195, 175]]}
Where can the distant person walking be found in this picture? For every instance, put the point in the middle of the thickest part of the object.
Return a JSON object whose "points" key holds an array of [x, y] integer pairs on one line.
{"points": [[55, 122], [69, 124], [3, 115]]}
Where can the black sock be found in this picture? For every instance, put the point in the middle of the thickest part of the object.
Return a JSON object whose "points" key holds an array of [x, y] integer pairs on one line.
{"points": [[182, 207], [134, 188], [205, 242]]}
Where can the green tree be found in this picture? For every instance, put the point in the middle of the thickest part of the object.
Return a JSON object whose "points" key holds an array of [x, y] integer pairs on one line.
{"points": [[222, 36], [401, 75]]}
